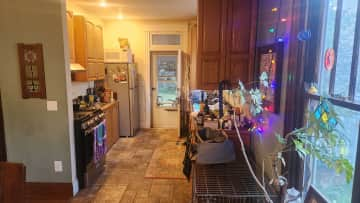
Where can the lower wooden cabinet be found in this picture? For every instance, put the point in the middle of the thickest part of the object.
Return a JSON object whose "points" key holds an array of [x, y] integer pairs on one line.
{"points": [[112, 123]]}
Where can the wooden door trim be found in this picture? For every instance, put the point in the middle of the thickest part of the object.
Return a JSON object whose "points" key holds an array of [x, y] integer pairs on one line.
{"points": [[45, 191], [3, 155]]}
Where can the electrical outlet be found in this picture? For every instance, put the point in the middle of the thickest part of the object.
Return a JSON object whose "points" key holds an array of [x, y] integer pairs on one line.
{"points": [[58, 166]]}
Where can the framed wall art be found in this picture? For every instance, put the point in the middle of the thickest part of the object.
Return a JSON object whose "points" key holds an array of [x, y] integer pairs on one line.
{"points": [[32, 75], [270, 60]]}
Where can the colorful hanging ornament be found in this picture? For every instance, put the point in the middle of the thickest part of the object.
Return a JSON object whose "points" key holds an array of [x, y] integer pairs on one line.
{"points": [[329, 60], [304, 35], [322, 114]]}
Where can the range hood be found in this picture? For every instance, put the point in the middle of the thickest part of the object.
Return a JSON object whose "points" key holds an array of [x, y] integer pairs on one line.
{"points": [[76, 67]]}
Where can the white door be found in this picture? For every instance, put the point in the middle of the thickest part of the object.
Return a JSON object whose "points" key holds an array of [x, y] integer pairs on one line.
{"points": [[166, 84]]}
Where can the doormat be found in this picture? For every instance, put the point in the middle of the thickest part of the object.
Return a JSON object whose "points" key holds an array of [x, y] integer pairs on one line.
{"points": [[166, 162]]}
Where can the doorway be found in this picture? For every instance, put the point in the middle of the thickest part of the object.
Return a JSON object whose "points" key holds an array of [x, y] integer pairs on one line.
{"points": [[165, 86], [2, 135]]}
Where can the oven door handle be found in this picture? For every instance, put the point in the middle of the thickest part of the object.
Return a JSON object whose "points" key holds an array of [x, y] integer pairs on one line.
{"points": [[93, 128]]}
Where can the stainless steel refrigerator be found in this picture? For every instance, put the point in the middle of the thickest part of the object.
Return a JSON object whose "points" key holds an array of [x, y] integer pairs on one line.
{"points": [[121, 79]]}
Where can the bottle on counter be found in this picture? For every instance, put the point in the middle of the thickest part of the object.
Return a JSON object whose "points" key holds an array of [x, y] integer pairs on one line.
{"points": [[206, 108], [200, 119]]}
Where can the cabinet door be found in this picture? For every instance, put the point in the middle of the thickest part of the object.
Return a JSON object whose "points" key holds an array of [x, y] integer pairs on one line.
{"points": [[100, 70], [211, 44], [109, 127], [90, 41], [115, 122], [240, 40], [70, 28], [92, 71], [99, 43]]}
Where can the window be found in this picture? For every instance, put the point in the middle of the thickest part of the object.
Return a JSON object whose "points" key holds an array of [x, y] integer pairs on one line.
{"points": [[339, 31], [166, 39]]}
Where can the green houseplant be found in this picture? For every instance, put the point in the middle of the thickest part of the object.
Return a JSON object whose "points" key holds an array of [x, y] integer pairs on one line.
{"points": [[321, 137]]}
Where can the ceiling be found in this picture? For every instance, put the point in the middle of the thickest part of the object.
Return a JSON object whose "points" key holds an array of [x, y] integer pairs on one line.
{"points": [[140, 9]]}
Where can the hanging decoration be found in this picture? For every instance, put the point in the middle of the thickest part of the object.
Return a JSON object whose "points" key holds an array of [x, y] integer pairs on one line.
{"points": [[326, 120], [32, 73], [304, 35], [329, 59]]}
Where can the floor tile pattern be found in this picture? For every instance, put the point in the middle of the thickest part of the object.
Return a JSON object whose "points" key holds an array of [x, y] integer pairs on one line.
{"points": [[124, 177]]}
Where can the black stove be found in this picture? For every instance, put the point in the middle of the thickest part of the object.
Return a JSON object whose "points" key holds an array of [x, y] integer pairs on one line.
{"points": [[85, 124]]}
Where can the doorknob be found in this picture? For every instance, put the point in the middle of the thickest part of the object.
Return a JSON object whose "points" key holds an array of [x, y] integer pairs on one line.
{"points": [[153, 88]]}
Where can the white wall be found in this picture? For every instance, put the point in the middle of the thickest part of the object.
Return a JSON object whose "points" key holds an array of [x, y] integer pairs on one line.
{"points": [[137, 34]]}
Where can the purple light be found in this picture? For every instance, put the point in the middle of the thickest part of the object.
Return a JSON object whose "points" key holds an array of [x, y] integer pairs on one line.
{"points": [[273, 84], [280, 39], [260, 130]]}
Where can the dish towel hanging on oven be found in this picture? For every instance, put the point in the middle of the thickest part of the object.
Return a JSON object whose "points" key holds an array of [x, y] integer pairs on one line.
{"points": [[99, 141]]}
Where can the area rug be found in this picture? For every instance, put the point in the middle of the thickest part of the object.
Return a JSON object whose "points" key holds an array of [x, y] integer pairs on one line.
{"points": [[166, 162]]}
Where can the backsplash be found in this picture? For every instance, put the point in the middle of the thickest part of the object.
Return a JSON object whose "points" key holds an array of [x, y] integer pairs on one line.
{"points": [[79, 88]]}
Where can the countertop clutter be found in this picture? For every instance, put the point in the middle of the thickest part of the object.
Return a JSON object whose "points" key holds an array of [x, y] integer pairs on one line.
{"points": [[219, 171]]}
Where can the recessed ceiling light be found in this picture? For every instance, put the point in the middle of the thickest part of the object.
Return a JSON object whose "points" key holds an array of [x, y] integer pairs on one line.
{"points": [[103, 4], [120, 17]]}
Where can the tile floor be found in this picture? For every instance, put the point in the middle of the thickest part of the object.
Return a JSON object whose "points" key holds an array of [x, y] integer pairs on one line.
{"points": [[124, 177]]}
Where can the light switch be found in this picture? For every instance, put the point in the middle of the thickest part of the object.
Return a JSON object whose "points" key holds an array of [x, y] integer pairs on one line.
{"points": [[58, 166], [52, 105]]}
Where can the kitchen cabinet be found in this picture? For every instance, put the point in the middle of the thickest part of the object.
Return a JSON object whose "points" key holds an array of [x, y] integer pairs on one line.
{"points": [[70, 29], [99, 52], [89, 50], [226, 44], [112, 123]]}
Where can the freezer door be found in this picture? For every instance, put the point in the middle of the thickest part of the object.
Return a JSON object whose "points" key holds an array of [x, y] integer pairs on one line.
{"points": [[117, 80], [134, 114], [132, 75]]}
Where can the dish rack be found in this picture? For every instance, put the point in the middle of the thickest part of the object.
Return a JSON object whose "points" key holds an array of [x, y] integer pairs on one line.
{"points": [[226, 183]]}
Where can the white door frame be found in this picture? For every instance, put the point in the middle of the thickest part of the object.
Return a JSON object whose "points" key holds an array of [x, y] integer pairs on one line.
{"points": [[148, 48], [154, 107]]}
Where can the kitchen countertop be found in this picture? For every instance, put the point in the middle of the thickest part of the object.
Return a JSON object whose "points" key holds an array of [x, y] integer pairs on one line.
{"points": [[105, 106]]}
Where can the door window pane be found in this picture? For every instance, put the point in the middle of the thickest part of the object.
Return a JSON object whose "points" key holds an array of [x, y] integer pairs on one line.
{"points": [[167, 80], [345, 49], [332, 185]]}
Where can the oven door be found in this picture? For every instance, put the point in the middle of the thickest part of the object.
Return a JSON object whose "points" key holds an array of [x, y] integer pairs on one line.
{"points": [[89, 136]]}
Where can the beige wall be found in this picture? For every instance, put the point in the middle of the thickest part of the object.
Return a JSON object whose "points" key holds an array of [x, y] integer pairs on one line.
{"points": [[35, 136], [136, 32]]}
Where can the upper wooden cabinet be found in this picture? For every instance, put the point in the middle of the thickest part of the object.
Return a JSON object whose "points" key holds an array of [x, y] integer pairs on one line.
{"points": [[99, 53], [89, 50], [70, 28], [226, 44]]}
